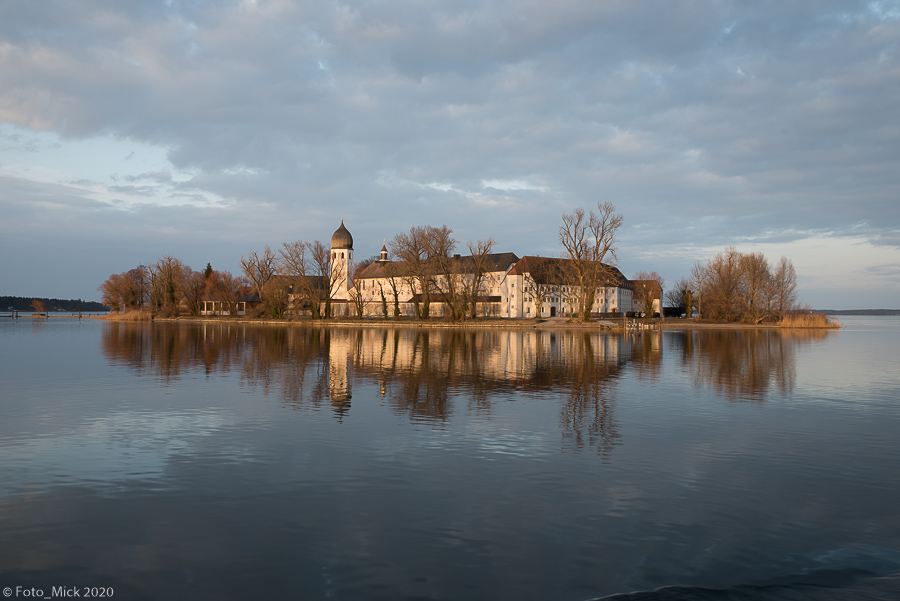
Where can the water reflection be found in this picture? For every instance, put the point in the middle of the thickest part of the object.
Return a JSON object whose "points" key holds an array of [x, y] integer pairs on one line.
{"points": [[742, 365], [417, 372], [588, 415], [420, 372], [445, 478]]}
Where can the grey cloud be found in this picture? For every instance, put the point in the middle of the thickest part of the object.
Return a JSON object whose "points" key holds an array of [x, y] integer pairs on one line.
{"points": [[706, 121], [889, 271], [160, 177]]}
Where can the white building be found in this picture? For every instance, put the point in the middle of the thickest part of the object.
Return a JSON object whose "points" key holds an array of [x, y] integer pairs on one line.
{"points": [[502, 285], [394, 285], [535, 288]]}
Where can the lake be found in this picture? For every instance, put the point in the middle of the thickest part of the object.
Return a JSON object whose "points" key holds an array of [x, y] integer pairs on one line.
{"points": [[231, 461]]}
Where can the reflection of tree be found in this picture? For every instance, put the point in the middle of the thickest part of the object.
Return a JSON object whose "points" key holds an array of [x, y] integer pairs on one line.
{"points": [[168, 350], [423, 392], [587, 415], [268, 358], [418, 372], [743, 364]]}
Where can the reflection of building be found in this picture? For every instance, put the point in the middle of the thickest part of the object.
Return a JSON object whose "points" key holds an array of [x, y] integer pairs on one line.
{"points": [[339, 388], [509, 355]]}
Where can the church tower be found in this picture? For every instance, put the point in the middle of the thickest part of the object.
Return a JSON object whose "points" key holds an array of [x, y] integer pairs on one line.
{"points": [[341, 262]]}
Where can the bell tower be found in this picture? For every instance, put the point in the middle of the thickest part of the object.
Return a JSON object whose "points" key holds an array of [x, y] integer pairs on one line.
{"points": [[341, 262]]}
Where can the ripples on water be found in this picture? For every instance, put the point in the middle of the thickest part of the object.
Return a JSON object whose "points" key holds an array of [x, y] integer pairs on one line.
{"points": [[242, 462]]}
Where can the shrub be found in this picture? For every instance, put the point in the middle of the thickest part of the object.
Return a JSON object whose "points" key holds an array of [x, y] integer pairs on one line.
{"points": [[808, 319]]}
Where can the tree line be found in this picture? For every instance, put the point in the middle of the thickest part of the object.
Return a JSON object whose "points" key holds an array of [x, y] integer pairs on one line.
{"points": [[731, 287], [169, 287], [20, 303], [311, 273], [738, 287]]}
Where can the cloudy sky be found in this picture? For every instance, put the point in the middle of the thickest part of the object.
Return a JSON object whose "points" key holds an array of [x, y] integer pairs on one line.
{"points": [[207, 130]]}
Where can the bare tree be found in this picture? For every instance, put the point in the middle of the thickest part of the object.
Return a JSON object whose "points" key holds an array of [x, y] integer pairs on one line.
{"points": [[330, 271], [736, 286], [194, 288], [480, 252], [294, 267], [230, 289], [395, 281], [784, 287], [681, 295], [722, 285], [359, 301], [445, 269], [384, 304], [167, 284], [415, 249], [698, 281], [589, 242], [542, 278], [138, 287], [128, 290], [110, 292], [260, 269], [227, 289], [312, 275], [756, 287]]}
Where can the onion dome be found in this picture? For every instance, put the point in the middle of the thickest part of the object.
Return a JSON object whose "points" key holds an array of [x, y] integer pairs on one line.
{"points": [[342, 238]]}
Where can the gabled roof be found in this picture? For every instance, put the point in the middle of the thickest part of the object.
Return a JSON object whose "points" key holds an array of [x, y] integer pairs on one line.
{"points": [[465, 264], [652, 285], [493, 262], [384, 269], [314, 282], [540, 268]]}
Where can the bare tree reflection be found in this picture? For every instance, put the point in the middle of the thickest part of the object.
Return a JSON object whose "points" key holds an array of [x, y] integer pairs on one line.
{"points": [[168, 350], [588, 418], [743, 365]]}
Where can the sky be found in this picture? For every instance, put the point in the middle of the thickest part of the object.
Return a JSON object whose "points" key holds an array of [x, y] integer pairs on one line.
{"points": [[131, 130]]}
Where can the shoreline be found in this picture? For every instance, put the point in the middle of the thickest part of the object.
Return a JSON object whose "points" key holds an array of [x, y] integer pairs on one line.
{"points": [[553, 323]]}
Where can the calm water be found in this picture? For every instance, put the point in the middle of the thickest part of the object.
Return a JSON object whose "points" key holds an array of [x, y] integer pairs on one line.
{"points": [[240, 462]]}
